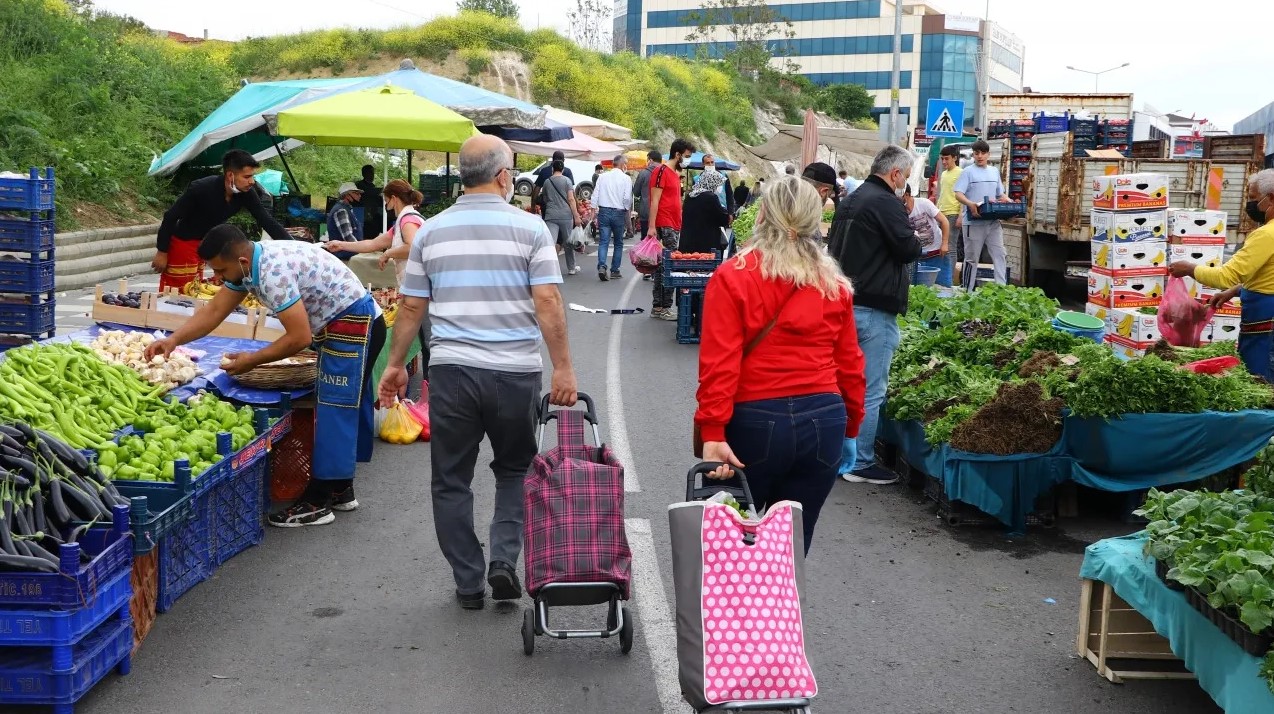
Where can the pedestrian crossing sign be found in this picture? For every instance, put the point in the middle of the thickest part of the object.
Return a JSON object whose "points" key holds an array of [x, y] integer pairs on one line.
{"points": [[945, 117]]}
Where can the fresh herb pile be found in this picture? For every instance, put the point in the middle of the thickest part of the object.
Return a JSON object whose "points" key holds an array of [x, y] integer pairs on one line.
{"points": [[955, 353], [1220, 544]]}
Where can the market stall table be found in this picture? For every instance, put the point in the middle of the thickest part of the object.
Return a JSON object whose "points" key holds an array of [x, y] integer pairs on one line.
{"points": [[1224, 670]]}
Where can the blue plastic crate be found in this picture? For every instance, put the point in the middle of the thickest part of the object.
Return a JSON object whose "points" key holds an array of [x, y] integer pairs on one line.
{"points": [[33, 193], [1052, 125], [999, 210], [41, 676], [1084, 127], [35, 317], [34, 235], [185, 559], [156, 512], [700, 271], [26, 276], [32, 627], [237, 512], [76, 585], [689, 319]]}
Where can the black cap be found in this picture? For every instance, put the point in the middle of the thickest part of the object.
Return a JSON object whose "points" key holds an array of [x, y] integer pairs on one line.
{"points": [[559, 156], [821, 173]]}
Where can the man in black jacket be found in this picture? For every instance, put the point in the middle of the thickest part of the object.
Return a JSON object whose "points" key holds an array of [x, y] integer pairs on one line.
{"points": [[872, 238]]}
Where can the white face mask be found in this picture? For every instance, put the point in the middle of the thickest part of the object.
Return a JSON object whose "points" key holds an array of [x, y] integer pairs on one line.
{"points": [[508, 192], [234, 188]]}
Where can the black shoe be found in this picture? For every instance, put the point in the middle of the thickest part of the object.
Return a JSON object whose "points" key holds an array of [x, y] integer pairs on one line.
{"points": [[616, 275], [504, 582], [601, 274], [302, 513], [344, 500], [472, 601], [647, 277]]}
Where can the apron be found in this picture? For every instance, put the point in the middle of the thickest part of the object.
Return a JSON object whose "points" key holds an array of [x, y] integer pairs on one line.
{"points": [[344, 414], [184, 264], [1255, 336]]}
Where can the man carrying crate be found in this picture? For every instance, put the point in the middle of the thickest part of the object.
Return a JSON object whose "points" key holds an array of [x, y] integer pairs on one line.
{"points": [[978, 183]]}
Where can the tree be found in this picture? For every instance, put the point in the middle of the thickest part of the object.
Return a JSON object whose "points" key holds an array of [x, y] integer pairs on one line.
{"points": [[591, 22], [499, 8], [757, 33], [846, 101]]}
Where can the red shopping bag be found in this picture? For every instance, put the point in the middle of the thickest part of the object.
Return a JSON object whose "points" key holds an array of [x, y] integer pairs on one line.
{"points": [[1181, 317], [645, 256]]}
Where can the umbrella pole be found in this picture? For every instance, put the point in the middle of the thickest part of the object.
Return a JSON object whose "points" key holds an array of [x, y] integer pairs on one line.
{"points": [[295, 185], [446, 177], [409, 166], [384, 209]]}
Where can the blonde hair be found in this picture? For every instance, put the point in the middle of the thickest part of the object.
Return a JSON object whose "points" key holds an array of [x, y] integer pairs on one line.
{"points": [[785, 239]]}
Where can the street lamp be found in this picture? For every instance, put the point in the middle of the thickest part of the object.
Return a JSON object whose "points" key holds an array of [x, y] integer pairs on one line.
{"points": [[1097, 75]]}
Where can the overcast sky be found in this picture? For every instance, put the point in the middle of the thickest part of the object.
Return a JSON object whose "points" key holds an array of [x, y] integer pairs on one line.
{"points": [[1205, 59]]}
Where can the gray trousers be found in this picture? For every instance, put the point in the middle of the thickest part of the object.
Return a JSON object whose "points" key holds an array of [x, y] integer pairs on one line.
{"points": [[465, 405], [988, 234], [561, 232]]}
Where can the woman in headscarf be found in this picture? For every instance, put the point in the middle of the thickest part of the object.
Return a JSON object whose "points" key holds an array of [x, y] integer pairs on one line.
{"points": [[703, 217]]}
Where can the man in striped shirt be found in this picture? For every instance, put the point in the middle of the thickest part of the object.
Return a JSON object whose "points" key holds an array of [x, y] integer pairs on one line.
{"points": [[488, 274]]}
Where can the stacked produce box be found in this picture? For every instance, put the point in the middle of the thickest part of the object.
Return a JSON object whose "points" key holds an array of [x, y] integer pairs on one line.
{"points": [[26, 257], [1115, 134], [1129, 258], [1198, 236]]}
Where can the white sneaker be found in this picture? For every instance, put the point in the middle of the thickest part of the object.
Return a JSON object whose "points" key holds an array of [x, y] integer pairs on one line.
{"points": [[573, 271], [670, 315]]}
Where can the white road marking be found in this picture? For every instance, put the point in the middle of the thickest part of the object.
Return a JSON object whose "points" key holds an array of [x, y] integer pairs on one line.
{"points": [[615, 393], [656, 622]]}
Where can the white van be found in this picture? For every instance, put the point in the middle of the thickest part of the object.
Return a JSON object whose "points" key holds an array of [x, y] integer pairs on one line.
{"points": [[582, 171]]}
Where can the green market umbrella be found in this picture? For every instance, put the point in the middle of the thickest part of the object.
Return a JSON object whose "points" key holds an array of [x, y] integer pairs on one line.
{"points": [[383, 117]]}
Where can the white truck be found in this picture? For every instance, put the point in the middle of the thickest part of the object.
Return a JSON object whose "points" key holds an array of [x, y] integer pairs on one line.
{"points": [[1026, 106]]}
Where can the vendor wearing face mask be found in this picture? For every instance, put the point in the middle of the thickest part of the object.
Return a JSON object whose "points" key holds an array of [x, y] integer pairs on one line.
{"points": [[208, 202], [1250, 276], [872, 238]]}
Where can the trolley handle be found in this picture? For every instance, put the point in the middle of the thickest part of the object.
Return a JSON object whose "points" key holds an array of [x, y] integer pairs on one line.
{"points": [[697, 493], [544, 415]]}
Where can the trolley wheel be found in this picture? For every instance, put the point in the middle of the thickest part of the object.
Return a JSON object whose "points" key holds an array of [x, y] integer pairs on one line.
{"points": [[626, 634], [528, 632]]}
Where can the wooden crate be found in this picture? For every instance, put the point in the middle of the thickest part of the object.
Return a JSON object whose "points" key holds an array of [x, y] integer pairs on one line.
{"points": [[163, 314], [116, 314], [1110, 629]]}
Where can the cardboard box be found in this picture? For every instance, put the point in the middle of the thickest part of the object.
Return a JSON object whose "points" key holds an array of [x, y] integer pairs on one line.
{"points": [[1209, 255], [1233, 308], [1130, 192], [1136, 327], [1118, 289], [1101, 313], [1151, 257], [1130, 226], [1196, 223], [1223, 328], [1125, 349]]}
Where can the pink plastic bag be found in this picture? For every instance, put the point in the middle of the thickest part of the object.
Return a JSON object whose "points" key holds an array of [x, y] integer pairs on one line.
{"points": [[1181, 317], [420, 410], [646, 255]]}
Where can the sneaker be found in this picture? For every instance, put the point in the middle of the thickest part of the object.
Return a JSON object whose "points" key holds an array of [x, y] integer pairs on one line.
{"points": [[344, 500], [573, 271], [656, 312], [302, 513], [616, 275], [504, 582], [647, 277], [601, 273], [670, 314], [875, 473], [472, 601]]}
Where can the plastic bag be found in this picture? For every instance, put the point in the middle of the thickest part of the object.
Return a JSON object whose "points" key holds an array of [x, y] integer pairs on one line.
{"points": [[420, 413], [399, 427], [579, 237], [848, 456], [646, 255], [1181, 317]]}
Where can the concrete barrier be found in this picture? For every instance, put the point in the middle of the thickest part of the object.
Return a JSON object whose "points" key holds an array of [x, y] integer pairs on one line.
{"points": [[86, 258]]}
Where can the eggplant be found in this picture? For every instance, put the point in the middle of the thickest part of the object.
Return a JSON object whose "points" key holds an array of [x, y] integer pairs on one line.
{"points": [[70, 457], [26, 562]]}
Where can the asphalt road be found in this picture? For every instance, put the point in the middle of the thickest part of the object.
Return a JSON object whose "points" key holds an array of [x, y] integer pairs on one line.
{"points": [[904, 614]]}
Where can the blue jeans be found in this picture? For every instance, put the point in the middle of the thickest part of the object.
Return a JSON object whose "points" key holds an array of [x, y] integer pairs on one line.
{"points": [[611, 223], [944, 264], [790, 449], [878, 338]]}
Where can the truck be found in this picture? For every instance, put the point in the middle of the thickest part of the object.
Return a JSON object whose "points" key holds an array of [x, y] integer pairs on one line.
{"points": [[1059, 196], [1027, 105]]}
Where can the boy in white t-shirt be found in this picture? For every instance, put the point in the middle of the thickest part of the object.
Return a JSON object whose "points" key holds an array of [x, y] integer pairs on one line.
{"points": [[934, 231]]}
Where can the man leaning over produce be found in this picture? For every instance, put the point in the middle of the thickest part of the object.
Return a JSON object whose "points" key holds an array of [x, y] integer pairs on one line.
{"points": [[1250, 276], [320, 301]]}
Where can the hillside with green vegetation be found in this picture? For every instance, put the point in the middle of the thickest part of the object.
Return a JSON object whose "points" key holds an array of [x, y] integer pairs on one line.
{"points": [[97, 96]]}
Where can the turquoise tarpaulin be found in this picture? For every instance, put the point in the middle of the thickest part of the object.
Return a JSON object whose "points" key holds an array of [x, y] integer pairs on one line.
{"points": [[1138, 451], [1224, 670]]}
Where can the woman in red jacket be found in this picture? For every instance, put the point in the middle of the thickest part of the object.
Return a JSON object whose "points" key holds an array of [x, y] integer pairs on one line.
{"points": [[780, 372]]}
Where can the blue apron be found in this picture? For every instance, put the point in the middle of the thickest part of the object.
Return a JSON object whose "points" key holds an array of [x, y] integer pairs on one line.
{"points": [[1256, 337], [344, 416]]}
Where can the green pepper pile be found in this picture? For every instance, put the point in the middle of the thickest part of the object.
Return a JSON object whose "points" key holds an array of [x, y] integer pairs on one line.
{"points": [[180, 431]]}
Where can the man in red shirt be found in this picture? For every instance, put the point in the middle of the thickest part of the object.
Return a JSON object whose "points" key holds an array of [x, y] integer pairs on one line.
{"points": [[665, 218]]}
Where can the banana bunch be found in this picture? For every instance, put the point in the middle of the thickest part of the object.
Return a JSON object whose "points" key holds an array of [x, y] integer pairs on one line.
{"points": [[206, 291], [391, 312]]}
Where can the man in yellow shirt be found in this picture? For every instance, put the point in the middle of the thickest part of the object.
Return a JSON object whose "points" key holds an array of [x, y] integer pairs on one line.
{"points": [[949, 206], [1250, 275]]}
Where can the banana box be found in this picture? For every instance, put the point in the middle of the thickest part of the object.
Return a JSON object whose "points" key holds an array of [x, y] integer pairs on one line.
{"points": [[1101, 313], [1108, 288], [1129, 226], [1134, 326], [1130, 192], [1195, 226], [1209, 255], [1124, 349], [1223, 328], [1233, 308], [1198, 290], [1149, 257]]}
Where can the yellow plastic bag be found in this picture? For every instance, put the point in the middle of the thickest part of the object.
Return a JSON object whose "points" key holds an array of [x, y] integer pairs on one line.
{"points": [[399, 426]]}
